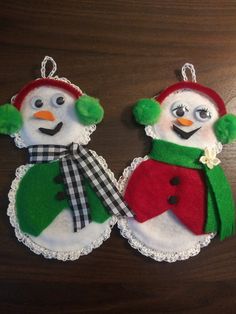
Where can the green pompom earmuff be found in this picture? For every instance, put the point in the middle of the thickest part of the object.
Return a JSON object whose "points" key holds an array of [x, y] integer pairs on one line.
{"points": [[89, 110], [225, 128], [10, 119], [147, 111]]}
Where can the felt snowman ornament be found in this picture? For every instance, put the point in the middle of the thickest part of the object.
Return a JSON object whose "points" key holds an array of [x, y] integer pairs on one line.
{"points": [[179, 193], [63, 202]]}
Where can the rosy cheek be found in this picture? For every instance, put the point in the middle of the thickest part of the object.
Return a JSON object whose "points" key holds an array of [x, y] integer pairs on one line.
{"points": [[207, 132], [165, 122]]}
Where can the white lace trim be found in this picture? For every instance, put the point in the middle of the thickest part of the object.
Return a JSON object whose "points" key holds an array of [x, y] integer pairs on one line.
{"points": [[18, 140], [27, 240], [149, 132], [127, 172], [158, 255], [127, 233]]}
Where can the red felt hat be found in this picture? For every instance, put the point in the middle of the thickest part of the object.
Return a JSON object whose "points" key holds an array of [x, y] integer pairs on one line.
{"points": [[45, 82], [197, 87]]}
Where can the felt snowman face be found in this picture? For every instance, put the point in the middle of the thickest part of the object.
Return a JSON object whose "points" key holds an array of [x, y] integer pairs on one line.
{"points": [[187, 114], [49, 117], [187, 118], [50, 111]]}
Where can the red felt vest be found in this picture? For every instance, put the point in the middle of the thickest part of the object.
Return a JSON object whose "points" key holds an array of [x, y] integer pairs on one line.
{"points": [[155, 187]]}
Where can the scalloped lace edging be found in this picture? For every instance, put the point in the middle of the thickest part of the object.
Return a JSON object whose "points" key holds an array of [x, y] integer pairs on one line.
{"points": [[127, 172], [158, 255], [37, 249], [141, 247]]}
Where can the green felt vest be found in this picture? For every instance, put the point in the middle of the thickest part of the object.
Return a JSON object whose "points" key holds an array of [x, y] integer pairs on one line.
{"points": [[37, 204]]}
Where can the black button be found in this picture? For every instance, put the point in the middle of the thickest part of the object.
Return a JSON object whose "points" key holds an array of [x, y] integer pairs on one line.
{"points": [[173, 200], [175, 181], [60, 196], [58, 179]]}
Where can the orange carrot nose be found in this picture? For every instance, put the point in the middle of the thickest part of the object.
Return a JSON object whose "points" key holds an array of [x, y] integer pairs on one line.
{"points": [[44, 115], [184, 121]]}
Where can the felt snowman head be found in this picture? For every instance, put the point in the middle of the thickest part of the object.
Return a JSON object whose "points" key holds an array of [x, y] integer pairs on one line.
{"points": [[188, 114], [50, 110]]}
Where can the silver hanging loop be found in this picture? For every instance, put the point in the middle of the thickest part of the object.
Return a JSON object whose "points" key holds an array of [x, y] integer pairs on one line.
{"points": [[44, 64], [190, 67]]}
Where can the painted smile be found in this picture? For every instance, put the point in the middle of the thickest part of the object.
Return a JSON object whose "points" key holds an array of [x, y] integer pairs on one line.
{"points": [[184, 135], [53, 131]]}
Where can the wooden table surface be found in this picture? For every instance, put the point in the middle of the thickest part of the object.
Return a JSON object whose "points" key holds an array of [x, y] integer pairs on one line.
{"points": [[118, 51]]}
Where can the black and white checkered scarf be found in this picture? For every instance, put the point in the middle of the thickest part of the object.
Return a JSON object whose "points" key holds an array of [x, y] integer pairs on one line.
{"points": [[77, 163]]}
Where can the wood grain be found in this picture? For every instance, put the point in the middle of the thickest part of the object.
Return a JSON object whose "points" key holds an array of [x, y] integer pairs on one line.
{"points": [[118, 51]]}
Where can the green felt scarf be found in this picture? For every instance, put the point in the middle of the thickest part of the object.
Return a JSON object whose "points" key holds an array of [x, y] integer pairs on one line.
{"points": [[220, 203]]}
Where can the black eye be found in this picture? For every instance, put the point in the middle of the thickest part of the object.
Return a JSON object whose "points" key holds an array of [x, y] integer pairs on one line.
{"points": [[36, 102], [179, 110], [202, 114], [58, 100]]}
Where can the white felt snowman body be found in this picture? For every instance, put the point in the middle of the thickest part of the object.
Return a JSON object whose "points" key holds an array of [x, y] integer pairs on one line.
{"points": [[167, 227], [47, 107]]}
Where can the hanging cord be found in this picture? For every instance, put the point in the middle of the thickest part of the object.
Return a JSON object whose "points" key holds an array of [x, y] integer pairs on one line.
{"points": [[44, 64], [190, 67]]}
